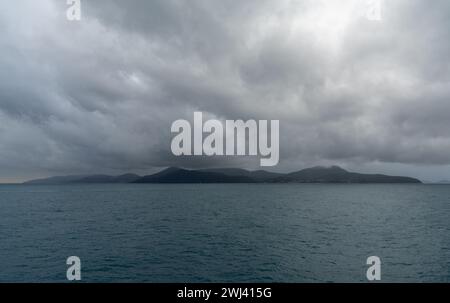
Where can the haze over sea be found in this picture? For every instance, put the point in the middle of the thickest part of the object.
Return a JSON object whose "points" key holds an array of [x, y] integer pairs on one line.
{"points": [[225, 232]]}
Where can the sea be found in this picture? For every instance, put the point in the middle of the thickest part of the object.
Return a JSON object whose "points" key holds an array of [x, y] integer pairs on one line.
{"points": [[295, 233]]}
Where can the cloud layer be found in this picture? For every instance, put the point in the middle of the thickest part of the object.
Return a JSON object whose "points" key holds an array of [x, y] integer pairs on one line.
{"points": [[100, 95]]}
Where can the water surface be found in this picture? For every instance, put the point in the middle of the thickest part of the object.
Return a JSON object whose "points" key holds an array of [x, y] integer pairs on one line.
{"points": [[225, 233]]}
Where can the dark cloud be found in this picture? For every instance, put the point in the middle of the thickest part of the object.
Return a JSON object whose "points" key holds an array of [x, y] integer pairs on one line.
{"points": [[100, 95]]}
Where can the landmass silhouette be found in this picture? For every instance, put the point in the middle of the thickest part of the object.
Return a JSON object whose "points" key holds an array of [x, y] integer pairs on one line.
{"points": [[318, 174]]}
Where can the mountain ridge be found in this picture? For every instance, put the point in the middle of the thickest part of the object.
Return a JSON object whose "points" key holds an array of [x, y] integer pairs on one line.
{"points": [[317, 174]]}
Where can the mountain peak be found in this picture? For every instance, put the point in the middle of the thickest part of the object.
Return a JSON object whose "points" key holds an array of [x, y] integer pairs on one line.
{"points": [[171, 169], [334, 168]]}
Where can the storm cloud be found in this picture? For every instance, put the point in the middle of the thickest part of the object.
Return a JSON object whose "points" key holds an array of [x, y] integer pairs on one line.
{"points": [[100, 95]]}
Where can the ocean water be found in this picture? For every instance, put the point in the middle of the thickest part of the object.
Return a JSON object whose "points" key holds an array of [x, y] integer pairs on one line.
{"points": [[225, 233]]}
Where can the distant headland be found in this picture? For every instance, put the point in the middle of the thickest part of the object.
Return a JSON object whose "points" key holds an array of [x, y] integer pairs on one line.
{"points": [[319, 174]]}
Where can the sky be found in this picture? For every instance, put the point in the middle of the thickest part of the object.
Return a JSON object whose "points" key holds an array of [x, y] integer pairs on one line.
{"points": [[99, 95]]}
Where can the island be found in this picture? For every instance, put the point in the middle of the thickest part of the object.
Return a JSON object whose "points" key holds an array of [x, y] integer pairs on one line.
{"points": [[174, 175]]}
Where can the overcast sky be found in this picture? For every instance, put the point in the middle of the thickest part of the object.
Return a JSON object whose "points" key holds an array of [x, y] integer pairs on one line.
{"points": [[100, 95]]}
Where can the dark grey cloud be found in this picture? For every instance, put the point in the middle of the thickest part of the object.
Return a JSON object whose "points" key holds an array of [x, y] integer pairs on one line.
{"points": [[100, 95]]}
